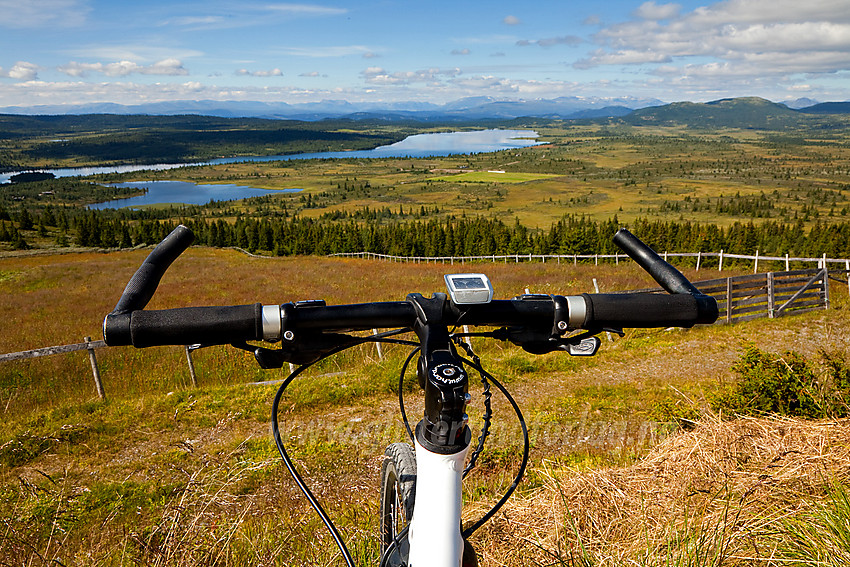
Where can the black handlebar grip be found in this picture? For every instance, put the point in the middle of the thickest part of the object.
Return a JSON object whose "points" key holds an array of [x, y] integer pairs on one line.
{"points": [[142, 285], [192, 325], [666, 275], [647, 310]]}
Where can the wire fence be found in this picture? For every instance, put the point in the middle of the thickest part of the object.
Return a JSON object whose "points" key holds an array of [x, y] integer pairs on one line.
{"points": [[700, 257], [740, 298]]}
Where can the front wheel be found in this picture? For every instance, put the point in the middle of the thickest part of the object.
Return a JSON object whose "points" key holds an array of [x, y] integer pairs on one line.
{"points": [[398, 487]]}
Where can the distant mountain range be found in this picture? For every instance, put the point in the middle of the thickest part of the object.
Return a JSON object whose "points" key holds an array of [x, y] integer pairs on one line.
{"points": [[744, 112], [473, 108]]}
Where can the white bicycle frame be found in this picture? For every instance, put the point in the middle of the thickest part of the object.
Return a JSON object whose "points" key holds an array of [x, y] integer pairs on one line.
{"points": [[434, 533]]}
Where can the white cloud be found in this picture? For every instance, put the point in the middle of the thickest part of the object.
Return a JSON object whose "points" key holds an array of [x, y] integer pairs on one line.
{"points": [[380, 76], [132, 52], [270, 73], [221, 16], [327, 51], [195, 21], [652, 11], [21, 71], [776, 38], [463, 51], [570, 40], [486, 83], [43, 13], [168, 67], [312, 74], [625, 57], [511, 21], [304, 9]]}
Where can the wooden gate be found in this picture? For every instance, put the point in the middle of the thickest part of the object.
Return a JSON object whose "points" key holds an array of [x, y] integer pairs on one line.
{"points": [[771, 294]]}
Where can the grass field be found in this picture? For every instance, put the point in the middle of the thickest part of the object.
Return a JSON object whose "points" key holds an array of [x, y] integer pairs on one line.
{"points": [[494, 177], [654, 172], [164, 474]]}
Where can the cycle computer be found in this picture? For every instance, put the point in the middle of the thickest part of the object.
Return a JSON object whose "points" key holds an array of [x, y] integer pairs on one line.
{"points": [[466, 289]]}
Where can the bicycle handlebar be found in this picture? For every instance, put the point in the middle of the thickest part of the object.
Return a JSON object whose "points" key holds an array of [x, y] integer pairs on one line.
{"points": [[129, 324], [668, 277]]}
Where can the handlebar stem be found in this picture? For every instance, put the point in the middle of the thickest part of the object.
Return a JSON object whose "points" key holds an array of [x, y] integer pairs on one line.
{"points": [[443, 428]]}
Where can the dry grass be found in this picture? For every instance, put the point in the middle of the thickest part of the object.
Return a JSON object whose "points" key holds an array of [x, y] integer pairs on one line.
{"points": [[723, 493], [53, 300], [200, 469]]}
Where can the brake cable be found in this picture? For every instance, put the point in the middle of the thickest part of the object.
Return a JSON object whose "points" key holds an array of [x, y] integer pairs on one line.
{"points": [[384, 337], [526, 447], [287, 460]]}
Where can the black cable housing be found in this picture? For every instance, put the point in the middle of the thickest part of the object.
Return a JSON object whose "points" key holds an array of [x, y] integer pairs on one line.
{"points": [[284, 455], [525, 450]]}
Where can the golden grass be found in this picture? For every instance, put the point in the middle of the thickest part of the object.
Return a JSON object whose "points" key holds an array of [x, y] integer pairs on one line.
{"points": [[494, 177], [730, 487], [215, 493], [625, 171], [51, 300]]}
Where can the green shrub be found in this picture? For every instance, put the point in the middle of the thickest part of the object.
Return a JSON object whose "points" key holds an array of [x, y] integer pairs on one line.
{"points": [[786, 384], [671, 410]]}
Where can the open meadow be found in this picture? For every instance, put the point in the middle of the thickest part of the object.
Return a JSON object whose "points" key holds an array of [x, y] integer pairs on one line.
{"points": [[668, 173], [165, 474]]}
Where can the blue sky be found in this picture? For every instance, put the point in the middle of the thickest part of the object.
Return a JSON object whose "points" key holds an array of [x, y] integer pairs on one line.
{"points": [[82, 51]]}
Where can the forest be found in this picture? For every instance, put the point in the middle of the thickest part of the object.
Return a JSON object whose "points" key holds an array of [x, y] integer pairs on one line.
{"points": [[64, 141], [477, 236]]}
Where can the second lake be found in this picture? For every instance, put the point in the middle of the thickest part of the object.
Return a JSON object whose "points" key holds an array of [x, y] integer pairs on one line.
{"points": [[183, 193]]}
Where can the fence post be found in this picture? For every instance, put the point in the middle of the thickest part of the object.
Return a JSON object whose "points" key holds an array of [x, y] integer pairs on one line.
{"points": [[378, 346], [699, 259], [825, 284], [756, 268], [787, 263], [93, 359], [729, 300], [847, 267], [720, 266], [192, 374], [771, 298]]}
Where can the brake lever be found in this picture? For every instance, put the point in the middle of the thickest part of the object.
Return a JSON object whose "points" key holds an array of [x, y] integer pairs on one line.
{"points": [[587, 346], [305, 351]]}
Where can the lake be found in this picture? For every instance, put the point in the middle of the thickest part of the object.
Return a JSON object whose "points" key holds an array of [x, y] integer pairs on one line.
{"points": [[418, 145], [183, 192]]}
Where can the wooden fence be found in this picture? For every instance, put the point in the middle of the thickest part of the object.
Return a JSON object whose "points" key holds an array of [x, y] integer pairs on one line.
{"points": [[90, 346], [770, 294]]}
